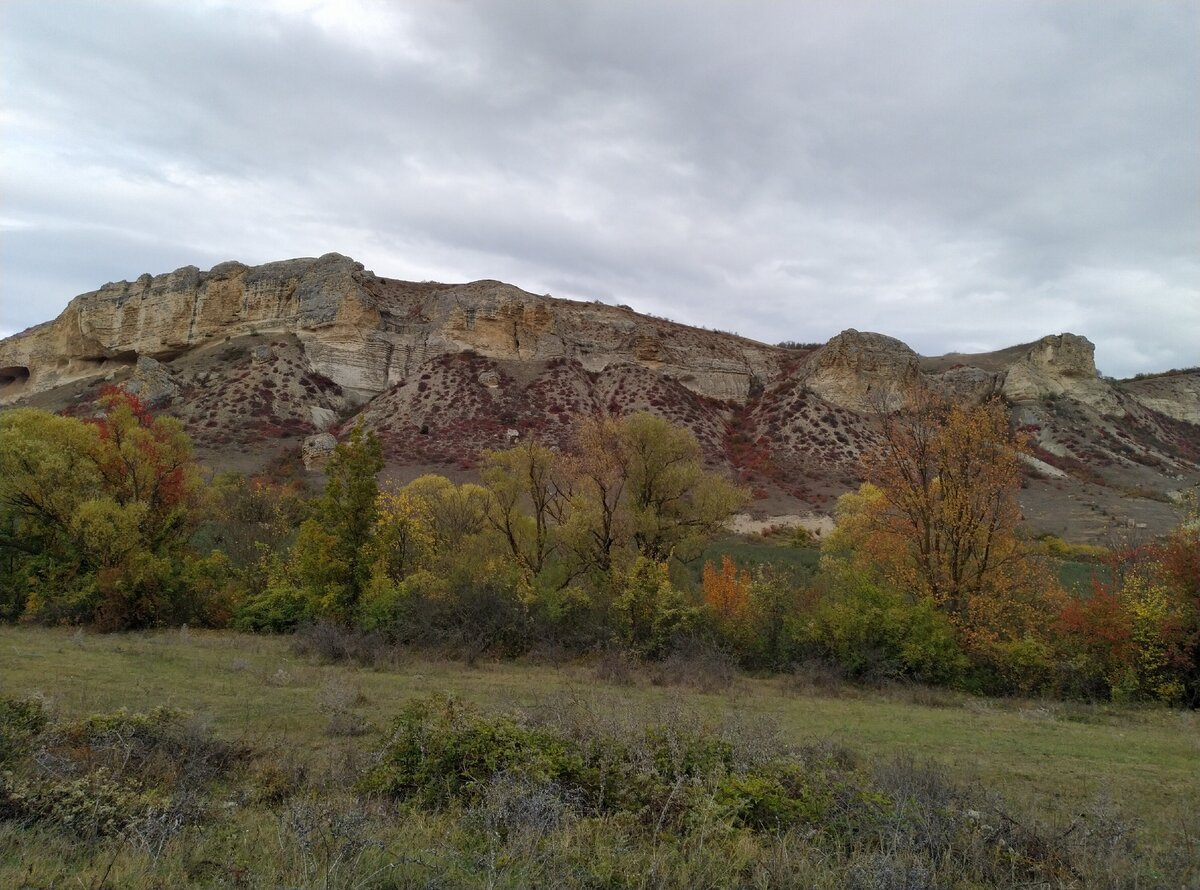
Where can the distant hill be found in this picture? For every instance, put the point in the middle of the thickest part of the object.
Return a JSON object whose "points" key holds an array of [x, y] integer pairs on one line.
{"points": [[264, 362]]}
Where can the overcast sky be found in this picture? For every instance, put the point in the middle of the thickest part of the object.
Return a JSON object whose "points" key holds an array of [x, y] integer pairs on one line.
{"points": [[961, 175]]}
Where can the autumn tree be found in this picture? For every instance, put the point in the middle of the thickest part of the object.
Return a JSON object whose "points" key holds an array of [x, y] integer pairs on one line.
{"points": [[95, 516], [1137, 631], [598, 469], [453, 514], [675, 505], [639, 488], [939, 519], [726, 590], [528, 501]]}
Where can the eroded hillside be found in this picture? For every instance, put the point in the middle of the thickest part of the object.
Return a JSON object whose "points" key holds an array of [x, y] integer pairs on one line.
{"points": [[257, 361]]}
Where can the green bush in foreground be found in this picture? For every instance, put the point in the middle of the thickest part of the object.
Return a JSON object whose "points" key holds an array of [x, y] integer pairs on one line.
{"points": [[562, 796], [21, 719]]}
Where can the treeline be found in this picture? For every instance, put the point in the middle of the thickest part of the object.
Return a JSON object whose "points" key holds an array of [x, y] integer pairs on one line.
{"points": [[109, 522]]}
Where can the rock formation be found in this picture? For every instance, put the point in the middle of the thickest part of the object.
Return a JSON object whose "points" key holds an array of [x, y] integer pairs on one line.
{"points": [[264, 362], [363, 332], [1062, 365], [863, 372]]}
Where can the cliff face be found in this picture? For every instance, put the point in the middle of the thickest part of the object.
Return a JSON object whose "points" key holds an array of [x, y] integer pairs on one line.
{"points": [[1062, 365], [163, 316], [363, 332], [257, 360]]}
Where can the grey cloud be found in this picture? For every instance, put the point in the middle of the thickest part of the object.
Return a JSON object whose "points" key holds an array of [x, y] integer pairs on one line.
{"points": [[958, 175]]}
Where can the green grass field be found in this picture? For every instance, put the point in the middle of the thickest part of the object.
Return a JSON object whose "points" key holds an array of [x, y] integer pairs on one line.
{"points": [[1052, 759], [1075, 575]]}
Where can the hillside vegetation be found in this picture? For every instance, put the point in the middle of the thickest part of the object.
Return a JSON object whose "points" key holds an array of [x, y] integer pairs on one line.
{"points": [[109, 522]]}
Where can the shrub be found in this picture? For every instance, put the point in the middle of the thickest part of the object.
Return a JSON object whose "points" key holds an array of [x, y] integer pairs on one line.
{"points": [[140, 776], [875, 633], [672, 775], [280, 608], [163, 747], [21, 720], [442, 750], [93, 805]]}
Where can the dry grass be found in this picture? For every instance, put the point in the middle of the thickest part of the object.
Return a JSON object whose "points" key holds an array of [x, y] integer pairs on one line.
{"points": [[314, 724]]}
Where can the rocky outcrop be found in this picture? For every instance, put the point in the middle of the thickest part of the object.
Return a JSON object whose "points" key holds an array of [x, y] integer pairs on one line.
{"points": [[971, 386], [1061, 365], [152, 382], [316, 450], [863, 372], [1176, 394], [361, 331]]}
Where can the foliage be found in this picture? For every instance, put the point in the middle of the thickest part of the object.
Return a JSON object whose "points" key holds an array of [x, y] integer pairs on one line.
{"points": [[95, 516], [21, 719], [650, 612], [527, 502], [1134, 636], [937, 523], [348, 511], [442, 750], [949, 476], [726, 591], [873, 632]]}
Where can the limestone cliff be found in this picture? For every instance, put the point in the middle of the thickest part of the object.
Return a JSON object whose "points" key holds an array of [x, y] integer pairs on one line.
{"points": [[361, 331], [1062, 365]]}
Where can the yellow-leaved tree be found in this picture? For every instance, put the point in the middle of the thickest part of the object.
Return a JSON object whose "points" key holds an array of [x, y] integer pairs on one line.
{"points": [[938, 520]]}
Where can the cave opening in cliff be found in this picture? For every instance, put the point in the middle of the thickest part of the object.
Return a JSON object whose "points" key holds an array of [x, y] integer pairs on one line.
{"points": [[15, 374]]}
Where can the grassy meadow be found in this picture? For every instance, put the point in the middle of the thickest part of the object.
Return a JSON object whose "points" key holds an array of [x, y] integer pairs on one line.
{"points": [[1053, 763]]}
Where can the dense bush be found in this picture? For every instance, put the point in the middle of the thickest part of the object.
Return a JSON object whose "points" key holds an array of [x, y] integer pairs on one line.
{"points": [[442, 751], [875, 633], [21, 720], [138, 776], [95, 516]]}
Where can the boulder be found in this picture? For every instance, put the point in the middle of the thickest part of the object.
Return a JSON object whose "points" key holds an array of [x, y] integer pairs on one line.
{"points": [[317, 449], [152, 382]]}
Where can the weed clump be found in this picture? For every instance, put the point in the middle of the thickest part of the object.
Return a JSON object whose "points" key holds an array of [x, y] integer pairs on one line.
{"points": [[139, 776], [21, 720]]}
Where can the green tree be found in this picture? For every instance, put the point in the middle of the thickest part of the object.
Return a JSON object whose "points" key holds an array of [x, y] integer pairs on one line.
{"points": [[675, 505], [528, 502], [332, 556], [639, 488]]}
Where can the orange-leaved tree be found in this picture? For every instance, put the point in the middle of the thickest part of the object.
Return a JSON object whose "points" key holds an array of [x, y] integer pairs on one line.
{"points": [[726, 590], [942, 525]]}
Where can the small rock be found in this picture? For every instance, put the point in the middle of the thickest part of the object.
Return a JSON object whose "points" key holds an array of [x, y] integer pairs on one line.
{"points": [[317, 449], [152, 382], [512, 436], [322, 418], [490, 379], [262, 353]]}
